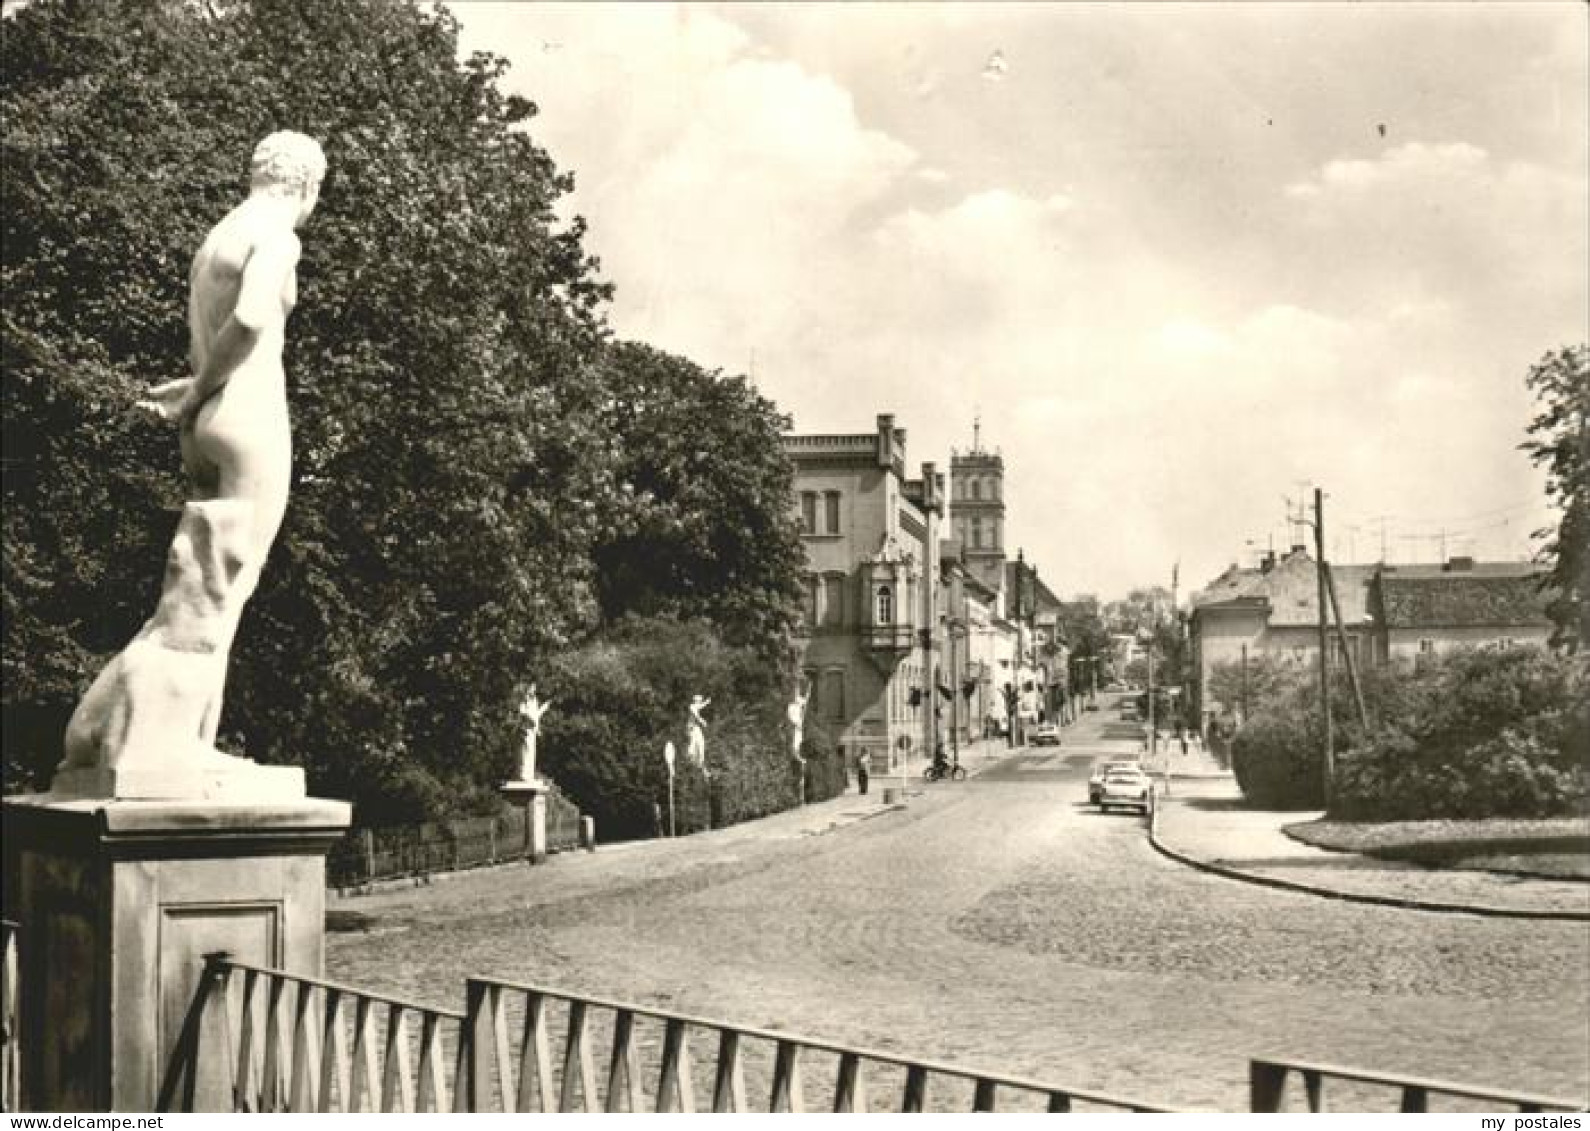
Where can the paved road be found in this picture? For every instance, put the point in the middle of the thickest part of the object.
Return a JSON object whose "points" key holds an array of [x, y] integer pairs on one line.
{"points": [[1000, 923]]}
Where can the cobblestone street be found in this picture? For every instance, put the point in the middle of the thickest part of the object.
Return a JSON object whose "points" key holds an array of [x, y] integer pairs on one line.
{"points": [[998, 922]]}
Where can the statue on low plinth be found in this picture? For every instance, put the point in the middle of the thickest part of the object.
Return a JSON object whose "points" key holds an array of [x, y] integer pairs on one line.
{"points": [[532, 709], [147, 726], [796, 712], [696, 747]]}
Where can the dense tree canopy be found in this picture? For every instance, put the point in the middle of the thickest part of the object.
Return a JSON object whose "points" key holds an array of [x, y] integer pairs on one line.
{"points": [[1561, 382], [705, 529], [463, 473]]}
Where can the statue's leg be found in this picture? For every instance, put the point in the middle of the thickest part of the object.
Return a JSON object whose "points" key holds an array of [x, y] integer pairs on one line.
{"points": [[202, 472]]}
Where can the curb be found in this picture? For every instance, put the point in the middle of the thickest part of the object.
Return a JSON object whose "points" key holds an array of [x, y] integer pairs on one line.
{"points": [[1350, 897], [1286, 830]]}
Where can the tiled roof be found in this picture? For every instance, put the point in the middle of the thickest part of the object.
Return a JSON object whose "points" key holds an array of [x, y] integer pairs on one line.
{"points": [[1233, 583], [1291, 588], [1463, 600]]}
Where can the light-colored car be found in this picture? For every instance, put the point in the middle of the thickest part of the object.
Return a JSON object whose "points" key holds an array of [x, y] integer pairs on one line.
{"points": [[1102, 770], [1045, 734], [1128, 789]]}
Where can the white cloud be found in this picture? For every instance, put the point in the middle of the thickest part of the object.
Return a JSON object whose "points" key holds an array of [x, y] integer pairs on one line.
{"points": [[1447, 219], [1163, 327]]}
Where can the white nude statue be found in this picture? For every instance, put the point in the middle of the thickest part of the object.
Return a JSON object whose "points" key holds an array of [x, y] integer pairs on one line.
{"points": [[696, 748], [147, 725], [532, 709], [796, 711]]}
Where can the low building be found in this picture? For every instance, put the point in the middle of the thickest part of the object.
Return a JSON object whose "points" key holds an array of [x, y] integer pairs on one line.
{"points": [[1386, 612], [1423, 611], [869, 641]]}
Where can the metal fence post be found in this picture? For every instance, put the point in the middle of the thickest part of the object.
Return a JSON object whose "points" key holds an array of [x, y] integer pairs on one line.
{"points": [[1266, 1085]]}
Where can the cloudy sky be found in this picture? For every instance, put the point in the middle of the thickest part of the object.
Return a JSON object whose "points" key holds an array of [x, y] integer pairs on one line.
{"points": [[1185, 261]]}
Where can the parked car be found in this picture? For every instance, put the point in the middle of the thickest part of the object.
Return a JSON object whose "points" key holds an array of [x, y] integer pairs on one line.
{"points": [[1046, 734], [1103, 770], [1126, 788]]}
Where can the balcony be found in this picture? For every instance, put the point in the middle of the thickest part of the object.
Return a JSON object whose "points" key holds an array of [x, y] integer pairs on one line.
{"points": [[897, 638]]}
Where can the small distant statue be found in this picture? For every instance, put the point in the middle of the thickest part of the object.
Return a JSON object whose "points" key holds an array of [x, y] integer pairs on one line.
{"points": [[532, 709], [156, 707], [696, 747], [797, 718]]}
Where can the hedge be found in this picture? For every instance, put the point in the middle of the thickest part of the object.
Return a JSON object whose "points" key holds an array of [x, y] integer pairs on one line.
{"points": [[1492, 732], [619, 698]]}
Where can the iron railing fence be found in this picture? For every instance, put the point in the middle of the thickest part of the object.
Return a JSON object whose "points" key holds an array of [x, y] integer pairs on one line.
{"points": [[1267, 1081], [368, 855], [532, 1048], [262, 1040]]}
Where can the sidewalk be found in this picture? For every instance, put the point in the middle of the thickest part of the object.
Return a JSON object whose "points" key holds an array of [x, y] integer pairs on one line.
{"points": [[849, 807], [1202, 823]]}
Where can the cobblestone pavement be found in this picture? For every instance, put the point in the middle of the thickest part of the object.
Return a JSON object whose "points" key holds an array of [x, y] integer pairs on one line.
{"points": [[1001, 923]]}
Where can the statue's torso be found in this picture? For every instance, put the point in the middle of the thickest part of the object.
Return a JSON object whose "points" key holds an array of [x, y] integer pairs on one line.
{"points": [[215, 281]]}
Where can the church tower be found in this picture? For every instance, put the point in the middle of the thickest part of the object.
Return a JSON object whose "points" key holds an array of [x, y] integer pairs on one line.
{"points": [[977, 510]]}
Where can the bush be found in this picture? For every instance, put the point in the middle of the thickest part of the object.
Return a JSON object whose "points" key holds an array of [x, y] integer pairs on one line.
{"points": [[618, 699], [1276, 756], [826, 774], [1495, 732]]}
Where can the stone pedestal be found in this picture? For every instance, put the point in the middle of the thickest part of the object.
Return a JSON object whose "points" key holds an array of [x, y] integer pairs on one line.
{"points": [[119, 901], [532, 795]]}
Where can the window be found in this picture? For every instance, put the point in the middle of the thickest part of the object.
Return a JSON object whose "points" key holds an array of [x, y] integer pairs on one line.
{"points": [[833, 600], [977, 489], [885, 614], [831, 512], [977, 533], [808, 512], [1426, 647], [811, 587], [833, 695]]}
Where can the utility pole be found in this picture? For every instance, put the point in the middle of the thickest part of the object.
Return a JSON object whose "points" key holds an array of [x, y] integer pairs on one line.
{"points": [[1324, 641], [1347, 653], [1244, 683]]}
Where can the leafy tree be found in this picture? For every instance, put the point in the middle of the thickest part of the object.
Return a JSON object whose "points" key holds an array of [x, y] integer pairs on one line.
{"points": [[703, 528], [1082, 627], [1561, 382], [447, 484], [481, 480], [1254, 686]]}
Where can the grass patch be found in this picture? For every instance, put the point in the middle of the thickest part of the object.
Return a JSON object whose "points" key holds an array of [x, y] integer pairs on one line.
{"points": [[1556, 848]]}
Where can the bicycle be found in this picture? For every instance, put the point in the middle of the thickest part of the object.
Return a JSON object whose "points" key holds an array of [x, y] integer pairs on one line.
{"points": [[939, 771]]}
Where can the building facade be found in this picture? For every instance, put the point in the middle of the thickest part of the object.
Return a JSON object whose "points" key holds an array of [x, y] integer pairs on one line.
{"points": [[870, 642], [1388, 613]]}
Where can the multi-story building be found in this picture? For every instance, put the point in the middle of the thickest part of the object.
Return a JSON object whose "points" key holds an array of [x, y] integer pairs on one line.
{"points": [[870, 644]]}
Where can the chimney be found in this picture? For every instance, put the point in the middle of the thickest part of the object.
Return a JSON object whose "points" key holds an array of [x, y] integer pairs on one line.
{"points": [[886, 439], [1267, 563]]}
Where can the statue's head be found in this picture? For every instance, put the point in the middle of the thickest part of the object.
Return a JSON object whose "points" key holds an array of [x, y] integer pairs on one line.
{"points": [[289, 164]]}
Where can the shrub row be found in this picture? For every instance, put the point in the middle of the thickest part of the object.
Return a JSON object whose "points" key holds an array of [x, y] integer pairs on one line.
{"points": [[1495, 732], [1481, 733], [618, 699]]}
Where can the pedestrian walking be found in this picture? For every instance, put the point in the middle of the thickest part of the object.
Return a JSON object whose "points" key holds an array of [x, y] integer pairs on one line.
{"points": [[861, 772], [1183, 737]]}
